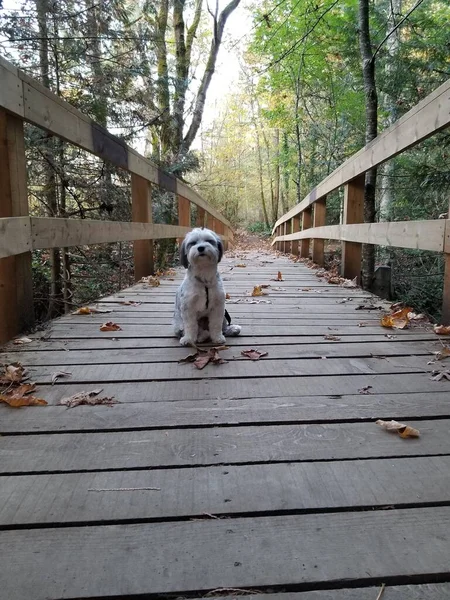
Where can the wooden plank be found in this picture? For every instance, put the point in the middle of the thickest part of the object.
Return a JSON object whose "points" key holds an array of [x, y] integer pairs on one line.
{"points": [[445, 318], [320, 208], [154, 414], [141, 212], [297, 550], [67, 498], [353, 213], [11, 90], [16, 293], [187, 390], [287, 230], [15, 236], [55, 232], [426, 118], [227, 445], [200, 218], [184, 214], [295, 227], [306, 224], [419, 235], [210, 221]]}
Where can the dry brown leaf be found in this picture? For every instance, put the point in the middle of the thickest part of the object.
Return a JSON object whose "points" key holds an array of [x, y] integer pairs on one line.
{"points": [[279, 277], [242, 265], [398, 319], [15, 400], [257, 291], [365, 390], [442, 329], [350, 283], [59, 374], [22, 340], [335, 280], [306, 289], [203, 357], [88, 310], [253, 354], [227, 296], [151, 280], [110, 326], [333, 338], [404, 431], [443, 353], [14, 373], [89, 398]]}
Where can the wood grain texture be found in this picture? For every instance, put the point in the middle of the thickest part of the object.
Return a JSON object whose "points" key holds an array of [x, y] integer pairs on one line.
{"points": [[66, 498], [206, 555], [141, 212], [353, 213]]}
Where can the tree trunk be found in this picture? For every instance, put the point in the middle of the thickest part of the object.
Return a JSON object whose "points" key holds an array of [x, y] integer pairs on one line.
{"points": [[285, 165], [276, 142], [371, 103], [219, 26], [298, 140], [162, 84]]}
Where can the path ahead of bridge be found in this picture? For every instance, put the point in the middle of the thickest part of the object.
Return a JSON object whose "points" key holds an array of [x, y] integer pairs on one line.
{"points": [[268, 477]]}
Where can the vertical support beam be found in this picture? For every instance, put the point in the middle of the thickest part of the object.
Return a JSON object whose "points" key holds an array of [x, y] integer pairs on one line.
{"points": [[295, 229], [141, 212], [210, 222], [319, 220], [16, 282], [184, 214], [306, 224], [279, 231], [200, 220], [220, 230], [353, 213], [445, 320], [287, 231]]}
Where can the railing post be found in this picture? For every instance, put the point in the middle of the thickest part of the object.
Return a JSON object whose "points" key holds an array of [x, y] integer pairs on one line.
{"points": [[200, 220], [141, 212], [353, 213], [287, 231], [280, 231], [295, 229], [306, 224], [184, 214], [16, 282], [319, 220], [445, 320]]}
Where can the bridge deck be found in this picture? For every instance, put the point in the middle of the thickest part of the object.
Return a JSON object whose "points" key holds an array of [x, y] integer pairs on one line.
{"points": [[268, 476]]}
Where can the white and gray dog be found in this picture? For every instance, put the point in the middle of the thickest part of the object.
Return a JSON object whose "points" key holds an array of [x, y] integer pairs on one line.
{"points": [[200, 313]]}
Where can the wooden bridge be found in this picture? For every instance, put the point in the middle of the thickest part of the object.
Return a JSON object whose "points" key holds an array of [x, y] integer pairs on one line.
{"points": [[267, 478]]}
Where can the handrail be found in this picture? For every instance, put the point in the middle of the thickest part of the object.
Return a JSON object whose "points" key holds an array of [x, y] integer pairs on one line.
{"points": [[302, 223], [22, 99]]}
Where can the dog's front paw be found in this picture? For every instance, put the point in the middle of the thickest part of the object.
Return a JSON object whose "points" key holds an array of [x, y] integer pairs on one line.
{"points": [[187, 341], [218, 339]]}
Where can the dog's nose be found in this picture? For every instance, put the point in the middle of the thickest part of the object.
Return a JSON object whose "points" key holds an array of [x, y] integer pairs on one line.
{"points": [[201, 248]]}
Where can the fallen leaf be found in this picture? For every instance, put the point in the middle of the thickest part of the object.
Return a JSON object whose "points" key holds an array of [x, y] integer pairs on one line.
{"points": [[130, 303], [189, 358], [15, 400], [443, 353], [442, 329], [335, 280], [279, 277], [333, 338], [306, 289], [89, 398], [440, 375], [110, 326], [242, 265], [350, 283], [253, 354], [398, 319], [203, 357], [257, 291], [365, 390], [14, 373], [151, 280], [368, 307], [87, 310], [403, 430], [390, 337], [23, 340], [59, 374], [227, 296]]}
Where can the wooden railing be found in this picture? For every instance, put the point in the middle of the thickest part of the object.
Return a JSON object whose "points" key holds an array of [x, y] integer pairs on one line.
{"points": [[304, 223], [24, 99]]}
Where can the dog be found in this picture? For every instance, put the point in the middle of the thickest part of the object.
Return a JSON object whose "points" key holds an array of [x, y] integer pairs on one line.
{"points": [[200, 313]]}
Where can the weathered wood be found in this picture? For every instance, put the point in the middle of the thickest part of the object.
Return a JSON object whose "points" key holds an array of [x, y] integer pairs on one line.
{"points": [[319, 220], [423, 120], [201, 215], [287, 230], [231, 553], [419, 235], [66, 498], [295, 228], [353, 213], [446, 291], [228, 445], [154, 414], [269, 387], [141, 211], [16, 293], [184, 214], [210, 221], [15, 236], [306, 224]]}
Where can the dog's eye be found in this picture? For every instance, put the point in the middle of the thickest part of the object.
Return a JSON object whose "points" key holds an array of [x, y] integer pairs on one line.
{"points": [[212, 242]]}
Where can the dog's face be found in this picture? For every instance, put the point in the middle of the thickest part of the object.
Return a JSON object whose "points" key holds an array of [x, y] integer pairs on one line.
{"points": [[201, 247]]}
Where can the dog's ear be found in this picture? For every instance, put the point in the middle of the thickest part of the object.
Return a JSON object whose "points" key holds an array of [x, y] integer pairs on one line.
{"points": [[183, 255], [219, 248]]}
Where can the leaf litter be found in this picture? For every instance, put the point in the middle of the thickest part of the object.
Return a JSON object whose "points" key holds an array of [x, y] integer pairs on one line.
{"points": [[59, 374], [16, 392], [202, 357], [90, 398], [110, 326], [88, 310], [442, 329], [253, 354], [404, 431]]}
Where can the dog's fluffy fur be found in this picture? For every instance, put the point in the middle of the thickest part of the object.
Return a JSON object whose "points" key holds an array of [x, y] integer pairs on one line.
{"points": [[200, 301]]}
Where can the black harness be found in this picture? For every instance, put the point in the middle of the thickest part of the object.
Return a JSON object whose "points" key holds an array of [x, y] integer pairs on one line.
{"points": [[227, 316]]}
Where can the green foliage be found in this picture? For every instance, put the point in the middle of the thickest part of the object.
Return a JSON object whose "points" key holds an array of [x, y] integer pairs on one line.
{"points": [[261, 228]]}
